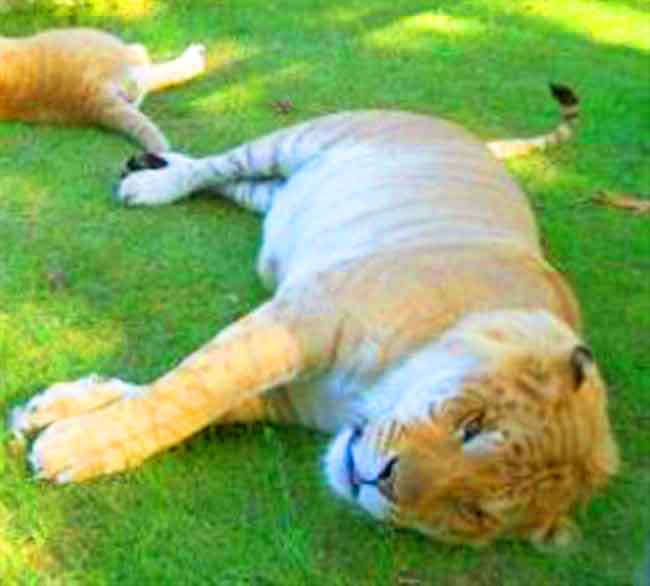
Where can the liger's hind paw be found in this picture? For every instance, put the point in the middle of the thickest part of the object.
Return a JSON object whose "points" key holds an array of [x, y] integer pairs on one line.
{"points": [[151, 179], [142, 162]]}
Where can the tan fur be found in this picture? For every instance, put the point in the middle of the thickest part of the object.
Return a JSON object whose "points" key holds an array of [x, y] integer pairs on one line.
{"points": [[558, 449], [516, 147], [447, 280], [86, 77]]}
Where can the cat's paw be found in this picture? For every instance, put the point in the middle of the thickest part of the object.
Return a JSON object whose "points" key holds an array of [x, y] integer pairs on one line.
{"points": [[195, 58], [153, 179]]}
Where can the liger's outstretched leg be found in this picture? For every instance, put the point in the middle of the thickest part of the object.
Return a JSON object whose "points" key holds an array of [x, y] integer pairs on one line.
{"points": [[126, 425]]}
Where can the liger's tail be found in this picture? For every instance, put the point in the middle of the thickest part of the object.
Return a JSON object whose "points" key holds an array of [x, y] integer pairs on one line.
{"points": [[570, 110]]}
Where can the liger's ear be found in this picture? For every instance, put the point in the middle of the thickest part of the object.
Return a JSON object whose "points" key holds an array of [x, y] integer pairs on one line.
{"points": [[581, 361]]}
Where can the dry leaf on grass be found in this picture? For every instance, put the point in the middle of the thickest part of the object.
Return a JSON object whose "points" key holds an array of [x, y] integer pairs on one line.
{"points": [[625, 201], [57, 280], [284, 106]]}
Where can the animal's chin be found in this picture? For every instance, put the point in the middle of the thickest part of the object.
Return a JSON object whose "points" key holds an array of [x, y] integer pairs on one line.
{"points": [[344, 475], [339, 466]]}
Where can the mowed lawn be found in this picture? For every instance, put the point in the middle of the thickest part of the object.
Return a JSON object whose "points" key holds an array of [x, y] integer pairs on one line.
{"points": [[88, 286]]}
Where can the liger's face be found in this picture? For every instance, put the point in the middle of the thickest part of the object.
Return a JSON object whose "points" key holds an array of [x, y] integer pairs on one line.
{"points": [[508, 453]]}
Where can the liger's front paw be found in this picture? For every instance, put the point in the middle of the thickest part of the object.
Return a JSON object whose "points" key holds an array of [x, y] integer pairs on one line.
{"points": [[90, 445], [65, 400], [153, 179], [88, 428]]}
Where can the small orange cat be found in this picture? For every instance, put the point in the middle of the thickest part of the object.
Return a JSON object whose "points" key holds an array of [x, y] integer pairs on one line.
{"points": [[85, 76]]}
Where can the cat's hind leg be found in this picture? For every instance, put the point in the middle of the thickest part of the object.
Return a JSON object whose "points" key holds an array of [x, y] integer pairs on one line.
{"points": [[157, 76], [139, 54]]}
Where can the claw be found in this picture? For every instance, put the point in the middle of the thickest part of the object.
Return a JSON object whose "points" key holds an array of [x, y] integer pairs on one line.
{"points": [[154, 161], [143, 162]]}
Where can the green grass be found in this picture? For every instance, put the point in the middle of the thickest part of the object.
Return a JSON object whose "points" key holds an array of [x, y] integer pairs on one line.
{"points": [[248, 506]]}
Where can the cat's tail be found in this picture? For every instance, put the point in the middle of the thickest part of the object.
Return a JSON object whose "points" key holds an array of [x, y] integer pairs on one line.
{"points": [[570, 110]]}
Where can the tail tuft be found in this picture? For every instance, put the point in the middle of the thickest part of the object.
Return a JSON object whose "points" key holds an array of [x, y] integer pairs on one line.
{"points": [[564, 94], [570, 110]]}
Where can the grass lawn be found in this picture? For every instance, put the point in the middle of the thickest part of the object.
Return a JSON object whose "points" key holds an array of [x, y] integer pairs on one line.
{"points": [[248, 506]]}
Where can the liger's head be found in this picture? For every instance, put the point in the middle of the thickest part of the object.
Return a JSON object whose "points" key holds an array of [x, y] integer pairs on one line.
{"points": [[500, 429]]}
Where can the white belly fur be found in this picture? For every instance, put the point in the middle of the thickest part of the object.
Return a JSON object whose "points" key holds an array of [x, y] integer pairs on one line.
{"points": [[356, 200]]}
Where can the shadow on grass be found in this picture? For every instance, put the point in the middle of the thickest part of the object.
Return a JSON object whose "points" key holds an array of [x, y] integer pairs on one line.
{"points": [[252, 501]]}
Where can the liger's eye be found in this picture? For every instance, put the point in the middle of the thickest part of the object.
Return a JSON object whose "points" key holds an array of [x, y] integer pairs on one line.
{"points": [[472, 429], [471, 512]]}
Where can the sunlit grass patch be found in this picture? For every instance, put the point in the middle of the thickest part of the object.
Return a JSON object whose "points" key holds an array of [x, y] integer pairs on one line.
{"points": [[24, 557], [37, 339], [128, 9], [253, 90], [415, 32], [614, 23]]}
